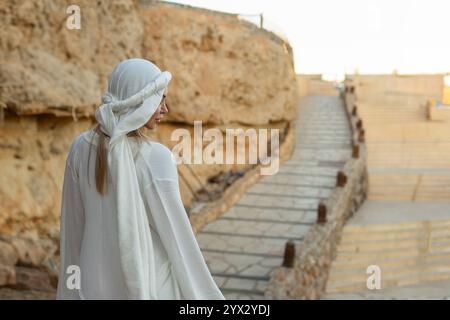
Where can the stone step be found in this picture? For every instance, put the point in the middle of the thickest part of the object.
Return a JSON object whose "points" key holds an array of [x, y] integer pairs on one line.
{"points": [[330, 136], [339, 154], [400, 237], [273, 219], [241, 244], [393, 227], [407, 160], [289, 203], [304, 163], [313, 192], [356, 263], [302, 157], [401, 164], [236, 294], [318, 171], [225, 263], [389, 272], [401, 117], [282, 215], [383, 236], [431, 290], [410, 245], [407, 113], [301, 181], [411, 196], [383, 255], [239, 285], [257, 228], [321, 140], [409, 279]]}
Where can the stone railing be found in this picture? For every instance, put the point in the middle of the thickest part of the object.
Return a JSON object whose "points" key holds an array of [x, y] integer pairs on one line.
{"points": [[306, 265]]}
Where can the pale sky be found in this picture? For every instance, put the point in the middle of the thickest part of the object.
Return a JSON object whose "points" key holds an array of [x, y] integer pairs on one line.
{"points": [[373, 36]]}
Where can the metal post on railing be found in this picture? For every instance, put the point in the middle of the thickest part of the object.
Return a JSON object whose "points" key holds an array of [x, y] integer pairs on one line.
{"points": [[359, 124], [361, 136], [289, 254], [341, 179], [355, 151], [322, 213]]}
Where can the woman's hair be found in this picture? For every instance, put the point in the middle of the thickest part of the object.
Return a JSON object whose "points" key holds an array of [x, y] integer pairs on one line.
{"points": [[101, 163]]}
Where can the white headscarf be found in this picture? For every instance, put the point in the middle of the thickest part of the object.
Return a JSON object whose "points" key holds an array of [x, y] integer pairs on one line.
{"points": [[135, 90]]}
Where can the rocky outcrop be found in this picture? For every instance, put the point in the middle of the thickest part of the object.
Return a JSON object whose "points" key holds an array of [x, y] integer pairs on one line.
{"points": [[33, 154], [19, 255], [226, 72], [47, 68]]}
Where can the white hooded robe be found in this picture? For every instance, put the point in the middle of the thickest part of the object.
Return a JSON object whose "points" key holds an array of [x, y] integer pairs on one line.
{"points": [[89, 227]]}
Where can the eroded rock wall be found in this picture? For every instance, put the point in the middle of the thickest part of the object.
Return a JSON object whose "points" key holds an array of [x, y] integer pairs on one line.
{"points": [[226, 72]]}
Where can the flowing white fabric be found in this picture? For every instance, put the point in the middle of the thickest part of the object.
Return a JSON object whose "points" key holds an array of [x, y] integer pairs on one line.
{"points": [[89, 228], [135, 90], [135, 241]]}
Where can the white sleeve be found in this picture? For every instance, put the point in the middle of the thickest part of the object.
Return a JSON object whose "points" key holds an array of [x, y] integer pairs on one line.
{"points": [[162, 196], [71, 232]]}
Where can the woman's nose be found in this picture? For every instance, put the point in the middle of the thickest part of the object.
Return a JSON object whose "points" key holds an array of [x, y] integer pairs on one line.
{"points": [[164, 109]]}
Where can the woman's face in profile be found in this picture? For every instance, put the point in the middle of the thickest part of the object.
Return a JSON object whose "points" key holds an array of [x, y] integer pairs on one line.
{"points": [[159, 113]]}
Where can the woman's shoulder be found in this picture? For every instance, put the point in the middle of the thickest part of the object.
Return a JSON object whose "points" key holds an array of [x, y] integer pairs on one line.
{"points": [[73, 157], [156, 149], [157, 159], [76, 143], [89, 136]]}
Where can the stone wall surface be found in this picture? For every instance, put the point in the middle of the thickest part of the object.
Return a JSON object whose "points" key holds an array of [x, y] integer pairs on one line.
{"points": [[224, 71]]}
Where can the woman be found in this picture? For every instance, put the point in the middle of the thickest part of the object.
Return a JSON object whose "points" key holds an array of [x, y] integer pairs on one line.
{"points": [[124, 231]]}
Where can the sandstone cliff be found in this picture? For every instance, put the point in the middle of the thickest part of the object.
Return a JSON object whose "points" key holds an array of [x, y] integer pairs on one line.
{"points": [[224, 69]]}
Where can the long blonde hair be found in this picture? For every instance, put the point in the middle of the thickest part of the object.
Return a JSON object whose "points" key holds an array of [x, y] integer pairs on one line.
{"points": [[101, 162]]}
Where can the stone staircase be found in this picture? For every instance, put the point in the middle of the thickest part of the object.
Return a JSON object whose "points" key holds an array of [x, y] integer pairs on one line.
{"points": [[387, 114], [408, 156], [407, 253], [404, 226], [247, 242]]}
